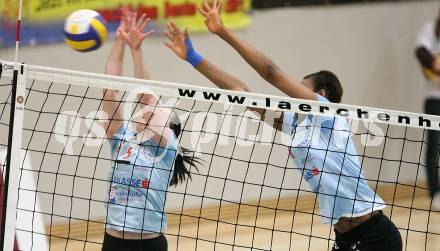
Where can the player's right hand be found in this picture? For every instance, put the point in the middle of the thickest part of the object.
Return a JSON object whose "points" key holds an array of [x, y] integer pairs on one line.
{"points": [[123, 26], [136, 34], [211, 13]]}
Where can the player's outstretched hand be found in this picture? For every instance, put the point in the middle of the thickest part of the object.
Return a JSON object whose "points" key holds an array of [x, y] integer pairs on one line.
{"points": [[211, 12], [124, 24], [135, 35], [177, 40]]}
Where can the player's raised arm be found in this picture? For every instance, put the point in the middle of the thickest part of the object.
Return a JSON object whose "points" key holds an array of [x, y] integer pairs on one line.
{"points": [[112, 98], [134, 37], [256, 59], [153, 120], [181, 44]]}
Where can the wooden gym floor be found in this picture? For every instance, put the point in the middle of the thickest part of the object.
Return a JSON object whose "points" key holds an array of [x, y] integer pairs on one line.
{"points": [[201, 230]]}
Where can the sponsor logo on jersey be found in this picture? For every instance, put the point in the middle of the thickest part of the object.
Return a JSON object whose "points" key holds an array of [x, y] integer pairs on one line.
{"points": [[122, 195], [311, 173], [145, 183], [128, 153], [112, 194], [131, 182]]}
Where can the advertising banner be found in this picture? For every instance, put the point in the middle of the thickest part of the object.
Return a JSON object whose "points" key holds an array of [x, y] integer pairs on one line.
{"points": [[43, 20]]}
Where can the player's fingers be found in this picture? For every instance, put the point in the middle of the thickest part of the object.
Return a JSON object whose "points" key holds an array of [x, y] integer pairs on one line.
{"points": [[125, 12], [133, 19], [124, 22], [141, 20], [128, 21], [168, 45], [185, 33], [170, 29], [170, 37], [206, 6], [148, 33], [219, 5], [175, 28], [204, 13], [144, 24]]}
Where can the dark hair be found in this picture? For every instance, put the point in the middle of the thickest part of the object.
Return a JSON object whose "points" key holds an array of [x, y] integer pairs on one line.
{"points": [[328, 81], [437, 27], [181, 172]]}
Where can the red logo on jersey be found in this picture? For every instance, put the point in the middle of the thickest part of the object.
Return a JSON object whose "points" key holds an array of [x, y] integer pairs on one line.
{"points": [[128, 153], [145, 183], [315, 171]]}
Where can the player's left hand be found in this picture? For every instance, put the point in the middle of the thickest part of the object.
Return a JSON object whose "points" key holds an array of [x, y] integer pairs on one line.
{"points": [[211, 12], [177, 40]]}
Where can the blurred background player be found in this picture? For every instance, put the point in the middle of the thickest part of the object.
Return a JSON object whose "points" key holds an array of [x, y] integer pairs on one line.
{"points": [[427, 53]]}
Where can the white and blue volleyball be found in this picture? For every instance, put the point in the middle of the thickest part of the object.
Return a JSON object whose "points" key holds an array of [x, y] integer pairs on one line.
{"points": [[85, 30]]}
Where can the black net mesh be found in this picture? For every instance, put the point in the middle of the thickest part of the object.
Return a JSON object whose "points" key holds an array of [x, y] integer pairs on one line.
{"points": [[249, 192]]}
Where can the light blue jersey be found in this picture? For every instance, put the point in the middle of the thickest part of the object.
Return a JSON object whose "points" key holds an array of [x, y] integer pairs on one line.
{"points": [[139, 178], [323, 150]]}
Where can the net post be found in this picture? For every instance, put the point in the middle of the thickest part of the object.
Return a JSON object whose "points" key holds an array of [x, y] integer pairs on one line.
{"points": [[13, 157]]}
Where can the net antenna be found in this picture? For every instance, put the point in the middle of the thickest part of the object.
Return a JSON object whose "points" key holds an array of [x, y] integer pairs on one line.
{"points": [[11, 173], [18, 31], [5, 238]]}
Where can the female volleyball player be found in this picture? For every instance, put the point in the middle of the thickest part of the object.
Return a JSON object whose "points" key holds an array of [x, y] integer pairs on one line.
{"points": [[145, 161], [332, 170]]}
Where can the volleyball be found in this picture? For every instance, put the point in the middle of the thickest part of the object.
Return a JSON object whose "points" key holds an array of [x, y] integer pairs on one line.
{"points": [[85, 30]]}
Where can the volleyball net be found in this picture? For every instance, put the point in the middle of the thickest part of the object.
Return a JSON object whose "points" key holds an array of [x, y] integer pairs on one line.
{"points": [[248, 192]]}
